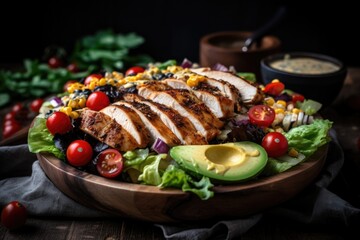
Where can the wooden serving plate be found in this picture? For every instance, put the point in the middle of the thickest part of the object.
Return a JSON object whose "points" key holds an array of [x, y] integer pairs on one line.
{"points": [[152, 204]]}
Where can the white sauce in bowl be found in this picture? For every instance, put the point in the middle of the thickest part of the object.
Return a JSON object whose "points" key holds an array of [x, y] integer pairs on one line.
{"points": [[304, 65]]}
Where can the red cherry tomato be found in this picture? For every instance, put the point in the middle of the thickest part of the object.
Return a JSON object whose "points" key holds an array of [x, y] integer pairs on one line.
{"points": [[54, 62], [274, 88], [72, 67], [110, 163], [13, 215], [9, 116], [20, 111], [261, 115], [97, 101], [79, 153], [297, 97], [36, 104], [58, 122], [134, 70], [275, 144], [10, 128], [89, 78]]}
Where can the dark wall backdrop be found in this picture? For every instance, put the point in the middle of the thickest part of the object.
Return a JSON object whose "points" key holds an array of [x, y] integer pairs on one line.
{"points": [[172, 29]]}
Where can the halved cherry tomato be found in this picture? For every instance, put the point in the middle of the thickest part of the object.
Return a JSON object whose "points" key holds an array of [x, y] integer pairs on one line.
{"points": [[13, 215], [54, 62], [58, 122], [36, 104], [134, 70], [261, 115], [79, 153], [275, 144], [10, 128], [89, 78], [97, 101], [297, 97], [110, 163], [274, 88]]}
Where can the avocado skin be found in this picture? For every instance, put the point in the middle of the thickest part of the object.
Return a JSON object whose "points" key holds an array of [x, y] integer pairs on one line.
{"points": [[194, 160]]}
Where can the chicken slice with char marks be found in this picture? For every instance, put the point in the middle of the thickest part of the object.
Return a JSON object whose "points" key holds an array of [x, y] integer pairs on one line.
{"points": [[250, 94], [186, 104], [130, 121], [179, 125], [153, 123], [107, 130], [219, 105]]}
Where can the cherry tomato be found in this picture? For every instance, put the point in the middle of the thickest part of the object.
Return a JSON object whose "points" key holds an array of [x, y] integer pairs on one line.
{"points": [[297, 97], [13, 215], [9, 116], [89, 78], [110, 163], [35, 105], [67, 84], [261, 115], [72, 67], [10, 128], [274, 88], [54, 62], [20, 111], [275, 144], [97, 101], [58, 122], [134, 70], [79, 153]]}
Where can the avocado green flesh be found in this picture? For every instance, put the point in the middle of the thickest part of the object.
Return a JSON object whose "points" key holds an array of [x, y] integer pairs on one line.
{"points": [[227, 162]]}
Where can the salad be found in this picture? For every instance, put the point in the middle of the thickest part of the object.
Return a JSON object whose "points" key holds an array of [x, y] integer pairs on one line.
{"points": [[213, 127]]}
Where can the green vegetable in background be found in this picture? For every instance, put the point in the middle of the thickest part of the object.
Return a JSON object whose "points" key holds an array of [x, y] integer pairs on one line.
{"points": [[109, 51]]}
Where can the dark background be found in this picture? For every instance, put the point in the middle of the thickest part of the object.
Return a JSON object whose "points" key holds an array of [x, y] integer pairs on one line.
{"points": [[172, 29]]}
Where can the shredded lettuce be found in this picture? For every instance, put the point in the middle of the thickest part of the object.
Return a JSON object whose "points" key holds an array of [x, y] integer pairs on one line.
{"points": [[41, 140]]}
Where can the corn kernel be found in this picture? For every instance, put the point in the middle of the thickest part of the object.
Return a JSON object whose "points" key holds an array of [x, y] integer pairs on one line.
{"points": [[269, 101], [279, 110], [72, 103], [92, 85], [296, 110], [275, 80], [102, 81], [82, 102], [74, 115], [281, 102], [66, 110], [293, 153]]}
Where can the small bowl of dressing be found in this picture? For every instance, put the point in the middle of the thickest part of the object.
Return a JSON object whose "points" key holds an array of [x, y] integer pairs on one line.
{"points": [[316, 76]]}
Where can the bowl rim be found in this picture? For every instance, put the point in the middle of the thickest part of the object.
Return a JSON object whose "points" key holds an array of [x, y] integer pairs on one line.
{"points": [[206, 41], [265, 63]]}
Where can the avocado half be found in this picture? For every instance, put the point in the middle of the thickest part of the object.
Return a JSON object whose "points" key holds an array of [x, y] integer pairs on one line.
{"points": [[228, 162]]}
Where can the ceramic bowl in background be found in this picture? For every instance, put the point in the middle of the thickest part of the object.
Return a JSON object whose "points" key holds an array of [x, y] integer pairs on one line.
{"points": [[323, 86], [226, 48]]}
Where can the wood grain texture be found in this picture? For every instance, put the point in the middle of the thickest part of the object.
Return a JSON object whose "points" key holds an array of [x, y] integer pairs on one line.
{"points": [[149, 203]]}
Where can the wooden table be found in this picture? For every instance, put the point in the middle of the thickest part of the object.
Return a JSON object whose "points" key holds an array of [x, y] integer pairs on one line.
{"points": [[346, 120]]}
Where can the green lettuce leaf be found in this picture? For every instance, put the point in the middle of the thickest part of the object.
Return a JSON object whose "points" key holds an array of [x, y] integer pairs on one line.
{"points": [[41, 140], [177, 178], [281, 164], [151, 172], [306, 139]]}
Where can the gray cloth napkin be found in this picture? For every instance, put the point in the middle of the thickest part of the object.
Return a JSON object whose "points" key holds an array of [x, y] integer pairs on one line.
{"points": [[21, 178]]}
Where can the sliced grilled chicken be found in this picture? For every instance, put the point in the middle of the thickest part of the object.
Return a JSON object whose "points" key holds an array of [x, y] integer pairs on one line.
{"points": [[225, 88], [107, 130], [188, 105], [220, 106], [179, 125], [153, 123], [130, 121], [250, 94]]}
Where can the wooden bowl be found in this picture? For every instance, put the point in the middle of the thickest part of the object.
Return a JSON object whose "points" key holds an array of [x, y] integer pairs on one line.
{"points": [[152, 204]]}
